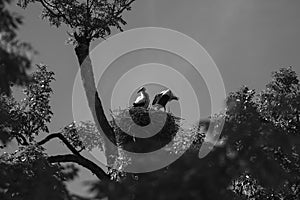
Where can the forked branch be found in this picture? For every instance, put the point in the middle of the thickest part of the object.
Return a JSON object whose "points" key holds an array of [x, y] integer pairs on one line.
{"points": [[75, 157]]}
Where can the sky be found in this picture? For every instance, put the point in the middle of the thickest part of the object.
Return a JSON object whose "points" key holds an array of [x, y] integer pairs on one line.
{"points": [[247, 40]]}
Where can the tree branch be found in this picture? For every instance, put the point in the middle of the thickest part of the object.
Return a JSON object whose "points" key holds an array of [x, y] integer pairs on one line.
{"points": [[87, 5], [63, 16], [95, 169], [25, 142], [48, 9], [75, 157], [20, 138], [59, 14], [62, 138], [124, 7]]}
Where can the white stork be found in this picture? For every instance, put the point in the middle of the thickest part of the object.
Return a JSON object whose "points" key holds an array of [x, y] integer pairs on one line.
{"points": [[162, 98], [142, 100]]}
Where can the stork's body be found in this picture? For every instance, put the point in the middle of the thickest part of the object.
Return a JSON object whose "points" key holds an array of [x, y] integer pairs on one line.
{"points": [[162, 98], [143, 99]]}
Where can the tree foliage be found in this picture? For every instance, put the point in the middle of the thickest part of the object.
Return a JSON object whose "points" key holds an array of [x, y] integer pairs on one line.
{"points": [[26, 174], [88, 20], [258, 159], [15, 56], [26, 119], [29, 172]]}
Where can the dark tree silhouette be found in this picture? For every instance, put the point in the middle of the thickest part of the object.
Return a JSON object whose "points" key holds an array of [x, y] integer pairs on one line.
{"points": [[29, 172], [258, 157], [88, 20], [14, 54]]}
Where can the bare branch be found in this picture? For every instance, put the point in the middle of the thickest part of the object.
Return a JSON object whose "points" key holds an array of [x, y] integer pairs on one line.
{"points": [[95, 169], [59, 14], [64, 16], [88, 19], [126, 6], [62, 138], [49, 9], [75, 157]]}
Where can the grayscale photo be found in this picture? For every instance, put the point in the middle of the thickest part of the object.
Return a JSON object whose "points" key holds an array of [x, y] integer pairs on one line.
{"points": [[149, 100]]}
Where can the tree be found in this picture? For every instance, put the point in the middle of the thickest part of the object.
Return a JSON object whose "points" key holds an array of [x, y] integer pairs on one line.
{"points": [[14, 54], [29, 172], [88, 21], [258, 157], [29, 167], [260, 137], [22, 121], [254, 147]]}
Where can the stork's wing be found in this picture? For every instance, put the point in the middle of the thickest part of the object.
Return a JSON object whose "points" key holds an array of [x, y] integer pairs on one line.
{"points": [[139, 102], [156, 98], [139, 99]]}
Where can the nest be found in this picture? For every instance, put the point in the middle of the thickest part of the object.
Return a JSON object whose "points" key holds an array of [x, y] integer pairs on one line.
{"points": [[143, 130]]}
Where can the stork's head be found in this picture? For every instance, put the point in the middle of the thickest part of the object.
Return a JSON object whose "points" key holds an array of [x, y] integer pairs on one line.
{"points": [[172, 96], [142, 89]]}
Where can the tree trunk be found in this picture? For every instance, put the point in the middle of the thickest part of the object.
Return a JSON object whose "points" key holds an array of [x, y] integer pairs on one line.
{"points": [[94, 102]]}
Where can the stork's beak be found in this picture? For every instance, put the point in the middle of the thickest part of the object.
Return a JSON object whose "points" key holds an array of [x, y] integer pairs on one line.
{"points": [[141, 89], [175, 98]]}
